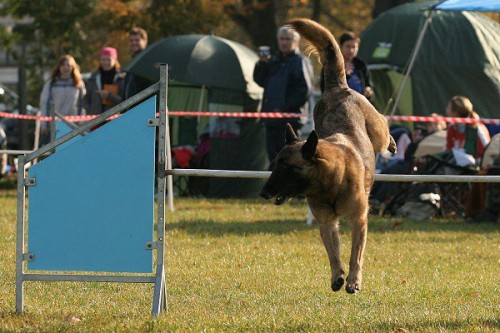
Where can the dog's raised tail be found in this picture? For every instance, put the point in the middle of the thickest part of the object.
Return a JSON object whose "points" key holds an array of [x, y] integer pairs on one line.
{"points": [[321, 42]]}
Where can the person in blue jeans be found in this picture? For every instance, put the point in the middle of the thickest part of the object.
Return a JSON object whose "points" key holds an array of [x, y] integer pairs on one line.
{"points": [[286, 79]]}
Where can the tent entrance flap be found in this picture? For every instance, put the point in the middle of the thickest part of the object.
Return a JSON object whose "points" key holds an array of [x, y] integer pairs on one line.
{"points": [[388, 83]]}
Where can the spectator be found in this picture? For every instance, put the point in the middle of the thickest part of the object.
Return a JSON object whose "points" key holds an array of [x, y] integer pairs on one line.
{"points": [[138, 39], [472, 138], [105, 85], [357, 73], [488, 194], [3, 157], [422, 130], [286, 79], [384, 192], [62, 93], [403, 138], [437, 125]]}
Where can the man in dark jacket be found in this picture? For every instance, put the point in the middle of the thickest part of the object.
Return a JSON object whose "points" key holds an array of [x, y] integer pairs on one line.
{"points": [[286, 79], [138, 40]]}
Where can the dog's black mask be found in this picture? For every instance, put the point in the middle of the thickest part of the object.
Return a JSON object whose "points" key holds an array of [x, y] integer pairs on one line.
{"points": [[288, 178]]}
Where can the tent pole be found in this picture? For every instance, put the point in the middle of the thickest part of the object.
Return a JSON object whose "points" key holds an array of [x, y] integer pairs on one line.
{"points": [[418, 44]]}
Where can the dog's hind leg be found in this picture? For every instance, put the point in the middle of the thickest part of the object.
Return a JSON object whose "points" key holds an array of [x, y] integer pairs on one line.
{"points": [[359, 234]]}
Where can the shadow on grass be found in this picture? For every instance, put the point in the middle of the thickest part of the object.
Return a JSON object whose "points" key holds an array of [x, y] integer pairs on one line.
{"points": [[8, 184], [286, 226], [384, 225], [455, 325], [206, 227]]}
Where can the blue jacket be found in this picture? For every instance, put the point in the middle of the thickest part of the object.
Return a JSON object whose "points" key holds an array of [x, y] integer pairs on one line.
{"points": [[286, 80]]}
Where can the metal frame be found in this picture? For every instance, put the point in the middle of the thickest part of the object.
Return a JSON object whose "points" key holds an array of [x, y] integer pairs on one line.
{"points": [[378, 177], [165, 173], [24, 162]]}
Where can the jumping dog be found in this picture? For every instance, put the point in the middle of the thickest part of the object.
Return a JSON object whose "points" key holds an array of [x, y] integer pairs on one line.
{"points": [[335, 167]]}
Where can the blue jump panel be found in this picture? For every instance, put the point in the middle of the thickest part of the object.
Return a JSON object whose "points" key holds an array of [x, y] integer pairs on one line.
{"points": [[61, 129], [92, 206]]}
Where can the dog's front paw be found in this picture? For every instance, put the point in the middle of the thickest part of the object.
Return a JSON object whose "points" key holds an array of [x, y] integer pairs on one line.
{"points": [[353, 283], [337, 284], [353, 288]]}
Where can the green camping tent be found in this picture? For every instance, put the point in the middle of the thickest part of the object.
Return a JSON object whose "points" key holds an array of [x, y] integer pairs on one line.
{"points": [[210, 73], [459, 55], [235, 143]]}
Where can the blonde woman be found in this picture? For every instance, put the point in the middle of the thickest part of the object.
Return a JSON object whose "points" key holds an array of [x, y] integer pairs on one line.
{"points": [[473, 138], [63, 92]]}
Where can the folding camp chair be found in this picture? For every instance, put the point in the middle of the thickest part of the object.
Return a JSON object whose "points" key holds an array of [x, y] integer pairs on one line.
{"points": [[432, 144]]}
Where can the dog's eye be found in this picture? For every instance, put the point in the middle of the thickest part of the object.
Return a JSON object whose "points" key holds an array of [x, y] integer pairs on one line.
{"points": [[284, 166]]}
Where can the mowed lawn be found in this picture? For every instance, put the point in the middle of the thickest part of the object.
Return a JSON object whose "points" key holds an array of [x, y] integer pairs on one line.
{"points": [[249, 266]]}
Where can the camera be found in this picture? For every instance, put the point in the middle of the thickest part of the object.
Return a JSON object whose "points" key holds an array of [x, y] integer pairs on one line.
{"points": [[264, 51]]}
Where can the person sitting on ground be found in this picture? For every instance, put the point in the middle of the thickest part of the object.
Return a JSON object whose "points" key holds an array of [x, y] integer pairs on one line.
{"points": [[431, 131], [491, 209], [471, 138], [383, 192], [434, 126]]}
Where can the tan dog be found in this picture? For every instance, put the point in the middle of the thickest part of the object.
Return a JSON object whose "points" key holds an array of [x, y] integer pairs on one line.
{"points": [[334, 168]]}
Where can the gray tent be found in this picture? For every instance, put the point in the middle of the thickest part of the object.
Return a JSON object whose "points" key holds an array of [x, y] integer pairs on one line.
{"points": [[458, 54]]}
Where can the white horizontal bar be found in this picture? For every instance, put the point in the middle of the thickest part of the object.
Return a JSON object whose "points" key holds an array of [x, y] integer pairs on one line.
{"points": [[218, 173], [378, 177], [89, 278], [437, 178], [16, 152]]}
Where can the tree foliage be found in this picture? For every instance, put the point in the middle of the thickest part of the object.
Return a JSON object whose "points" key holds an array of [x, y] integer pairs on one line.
{"points": [[56, 28], [82, 27], [176, 17]]}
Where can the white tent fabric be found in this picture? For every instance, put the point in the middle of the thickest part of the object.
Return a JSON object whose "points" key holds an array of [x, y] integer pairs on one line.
{"points": [[470, 5]]}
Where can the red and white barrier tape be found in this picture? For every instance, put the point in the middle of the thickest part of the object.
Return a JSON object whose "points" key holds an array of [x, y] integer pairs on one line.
{"points": [[46, 118], [424, 119], [273, 115]]}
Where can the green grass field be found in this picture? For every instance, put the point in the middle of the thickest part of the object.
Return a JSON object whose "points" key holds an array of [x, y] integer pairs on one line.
{"points": [[249, 266]]}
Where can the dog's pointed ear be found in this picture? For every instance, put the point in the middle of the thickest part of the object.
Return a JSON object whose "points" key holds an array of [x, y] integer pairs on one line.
{"points": [[291, 137], [309, 148]]}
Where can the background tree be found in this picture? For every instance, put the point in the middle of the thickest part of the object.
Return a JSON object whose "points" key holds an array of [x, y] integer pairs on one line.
{"points": [[82, 27], [56, 29], [77, 27], [108, 25], [384, 5], [165, 18], [257, 18]]}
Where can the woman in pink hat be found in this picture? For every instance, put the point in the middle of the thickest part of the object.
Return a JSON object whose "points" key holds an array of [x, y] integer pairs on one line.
{"points": [[104, 88]]}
